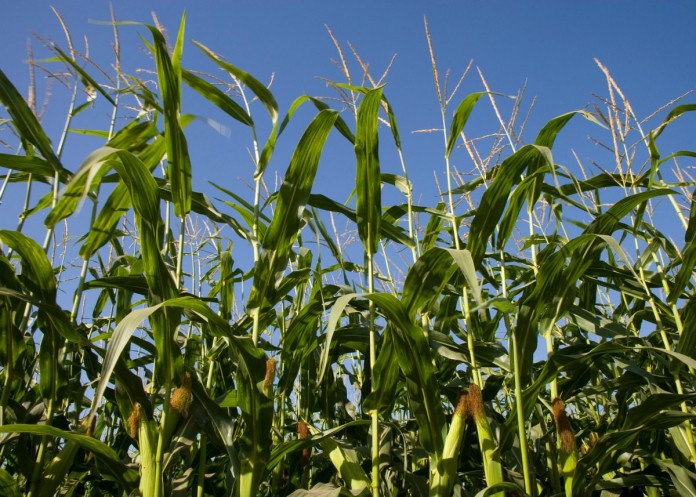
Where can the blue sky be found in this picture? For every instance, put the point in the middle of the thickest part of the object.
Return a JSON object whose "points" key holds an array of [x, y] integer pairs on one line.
{"points": [[549, 46]]}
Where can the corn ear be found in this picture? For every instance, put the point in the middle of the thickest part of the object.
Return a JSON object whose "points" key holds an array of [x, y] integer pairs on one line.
{"points": [[269, 377], [146, 431], [491, 459], [182, 397], [443, 472], [565, 441], [303, 432]]}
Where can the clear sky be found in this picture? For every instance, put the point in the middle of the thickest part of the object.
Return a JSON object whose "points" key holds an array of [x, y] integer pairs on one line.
{"points": [[649, 47]]}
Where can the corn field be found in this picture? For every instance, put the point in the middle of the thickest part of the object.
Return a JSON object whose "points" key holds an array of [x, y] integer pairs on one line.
{"points": [[533, 333]]}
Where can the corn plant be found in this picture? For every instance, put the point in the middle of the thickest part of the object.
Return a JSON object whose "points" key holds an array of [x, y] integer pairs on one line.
{"points": [[538, 339]]}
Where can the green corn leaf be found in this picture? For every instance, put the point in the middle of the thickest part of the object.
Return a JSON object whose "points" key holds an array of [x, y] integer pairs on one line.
{"points": [[673, 114], [144, 195], [12, 346], [387, 230], [133, 283], [392, 123], [434, 227], [289, 446], [461, 116], [687, 340], [263, 94], [88, 176], [83, 74], [119, 202], [292, 199], [426, 279], [52, 374], [415, 360], [400, 182], [217, 97], [684, 480], [36, 268], [385, 376], [344, 458], [126, 477], [367, 183], [32, 165], [116, 345], [178, 160], [495, 198], [28, 126], [525, 191], [340, 124], [514, 489], [55, 471], [385, 104], [688, 257], [547, 135], [337, 311], [222, 423], [8, 486], [200, 204]]}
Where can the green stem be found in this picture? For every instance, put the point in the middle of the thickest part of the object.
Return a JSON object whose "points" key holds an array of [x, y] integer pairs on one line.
{"points": [[526, 469], [200, 484], [180, 252], [470, 339], [40, 456], [530, 488], [202, 452], [374, 415], [159, 454]]}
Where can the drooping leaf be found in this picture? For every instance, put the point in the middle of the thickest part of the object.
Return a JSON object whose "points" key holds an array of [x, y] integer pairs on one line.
{"points": [[127, 477], [84, 75], [28, 126], [263, 94], [495, 198], [217, 97]]}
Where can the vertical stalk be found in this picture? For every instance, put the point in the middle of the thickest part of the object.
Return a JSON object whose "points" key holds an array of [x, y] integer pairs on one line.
{"points": [[180, 252], [415, 250], [528, 481], [159, 454], [258, 177], [77, 298], [476, 371], [59, 153], [667, 345], [41, 454], [529, 486], [204, 439], [374, 415]]}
